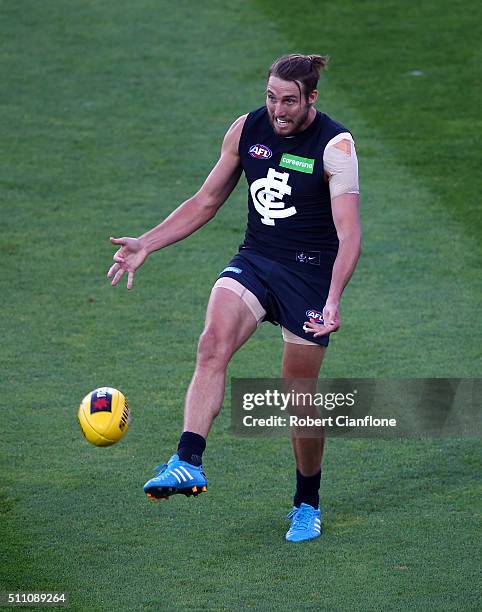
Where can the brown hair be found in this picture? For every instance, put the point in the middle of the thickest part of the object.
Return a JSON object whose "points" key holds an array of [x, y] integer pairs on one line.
{"points": [[304, 69]]}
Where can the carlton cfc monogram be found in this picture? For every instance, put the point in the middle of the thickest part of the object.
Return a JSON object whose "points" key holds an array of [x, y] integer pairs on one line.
{"points": [[267, 194]]}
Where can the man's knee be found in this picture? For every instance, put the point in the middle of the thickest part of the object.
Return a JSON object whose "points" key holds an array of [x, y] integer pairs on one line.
{"points": [[214, 350]]}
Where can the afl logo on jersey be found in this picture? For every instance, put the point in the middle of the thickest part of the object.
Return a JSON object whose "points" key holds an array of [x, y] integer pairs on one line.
{"points": [[259, 151]]}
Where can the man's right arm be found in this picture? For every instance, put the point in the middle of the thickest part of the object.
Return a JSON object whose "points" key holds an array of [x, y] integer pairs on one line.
{"points": [[198, 210], [189, 216]]}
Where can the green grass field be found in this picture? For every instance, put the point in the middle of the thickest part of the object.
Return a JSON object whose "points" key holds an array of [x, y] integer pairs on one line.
{"points": [[112, 113]]}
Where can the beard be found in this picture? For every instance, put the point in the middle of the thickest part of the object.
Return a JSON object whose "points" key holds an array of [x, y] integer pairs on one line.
{"points": [[296, 122]]}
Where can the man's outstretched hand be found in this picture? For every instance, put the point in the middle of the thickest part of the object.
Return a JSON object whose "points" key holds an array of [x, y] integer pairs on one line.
{"points": [[128, 259]]}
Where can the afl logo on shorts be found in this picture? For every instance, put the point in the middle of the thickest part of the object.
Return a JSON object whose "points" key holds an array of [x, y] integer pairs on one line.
{"points": [[259, 151], [315, 314]]}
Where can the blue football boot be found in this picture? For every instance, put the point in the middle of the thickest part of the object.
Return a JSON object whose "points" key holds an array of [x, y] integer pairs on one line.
{"points": [[305, 523], [176, 476]]}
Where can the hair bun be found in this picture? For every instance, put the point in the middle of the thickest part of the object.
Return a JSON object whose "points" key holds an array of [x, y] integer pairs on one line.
{"points": [[319, 62]]}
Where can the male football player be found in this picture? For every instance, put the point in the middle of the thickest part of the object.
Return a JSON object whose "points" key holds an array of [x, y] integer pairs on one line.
{"points": [[301, 247]]}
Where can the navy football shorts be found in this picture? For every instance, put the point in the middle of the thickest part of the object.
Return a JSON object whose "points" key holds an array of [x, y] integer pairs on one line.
{"points": [[291, 293]]}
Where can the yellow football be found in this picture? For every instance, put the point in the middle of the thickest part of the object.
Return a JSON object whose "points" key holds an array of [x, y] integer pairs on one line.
{"points": [[104, 416]]}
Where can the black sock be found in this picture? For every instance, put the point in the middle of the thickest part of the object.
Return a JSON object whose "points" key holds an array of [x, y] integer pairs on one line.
{"points": [[307, 490], [191, 447]]}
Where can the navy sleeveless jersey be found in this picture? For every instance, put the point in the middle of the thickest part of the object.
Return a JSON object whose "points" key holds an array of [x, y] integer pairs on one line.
{"points": [[288, 197]]}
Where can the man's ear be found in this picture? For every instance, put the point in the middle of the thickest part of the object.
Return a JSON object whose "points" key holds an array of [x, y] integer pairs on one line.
{"points": [[313, 96]]}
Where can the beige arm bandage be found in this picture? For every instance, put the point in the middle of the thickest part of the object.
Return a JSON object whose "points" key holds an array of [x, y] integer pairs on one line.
{"points": [[341, 165]]}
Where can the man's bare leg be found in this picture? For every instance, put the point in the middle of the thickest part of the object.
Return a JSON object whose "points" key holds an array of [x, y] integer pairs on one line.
{"points": [[301, 365], [303, 361], [229, 323]]}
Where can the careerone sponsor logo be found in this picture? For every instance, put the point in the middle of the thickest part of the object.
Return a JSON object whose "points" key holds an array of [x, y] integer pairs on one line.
{"points": [[302, 164]]}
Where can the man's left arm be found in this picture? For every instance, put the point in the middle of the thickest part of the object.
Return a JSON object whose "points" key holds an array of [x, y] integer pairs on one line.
{"points": [[347, 222], [341, 168]]}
